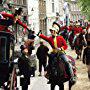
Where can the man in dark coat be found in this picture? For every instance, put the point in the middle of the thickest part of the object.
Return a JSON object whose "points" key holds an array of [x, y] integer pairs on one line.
{"points": [[25, 69], [41, 53]]}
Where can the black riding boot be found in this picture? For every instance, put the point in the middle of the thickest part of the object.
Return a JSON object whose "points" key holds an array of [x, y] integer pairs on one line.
{"points": [[25, 87], [70, 85], [88, 75], [61, 86], [77, 57], [26, 83], [52, 86]]}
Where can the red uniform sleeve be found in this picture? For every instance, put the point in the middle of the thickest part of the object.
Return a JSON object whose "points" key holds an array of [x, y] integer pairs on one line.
{"points": [[7, 15], [80, 30], [22, 24], [70, 28], [44, 37], [62, 28], [76, 30]]}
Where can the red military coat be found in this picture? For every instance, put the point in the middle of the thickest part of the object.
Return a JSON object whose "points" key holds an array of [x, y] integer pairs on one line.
{"points": [[63, 28], [77, 30], [70, 28], [11, 16], [60, 41]]}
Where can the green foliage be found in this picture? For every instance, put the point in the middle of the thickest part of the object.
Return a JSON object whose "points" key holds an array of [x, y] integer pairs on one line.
{"points": [[85, 7]]}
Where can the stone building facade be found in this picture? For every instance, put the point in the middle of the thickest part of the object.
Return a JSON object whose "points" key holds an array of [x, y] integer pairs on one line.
{"points": [[42, 13], [42, 16], [75, 12]]}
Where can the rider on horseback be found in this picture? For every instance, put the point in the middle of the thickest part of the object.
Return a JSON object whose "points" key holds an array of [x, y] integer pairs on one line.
{"points": [[58, 43]]}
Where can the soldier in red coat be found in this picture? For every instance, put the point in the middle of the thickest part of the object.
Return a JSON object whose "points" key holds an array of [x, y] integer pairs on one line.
{"points": [[77, 29], [57, 43], [70, 27], [11, 19], [61, 43]]}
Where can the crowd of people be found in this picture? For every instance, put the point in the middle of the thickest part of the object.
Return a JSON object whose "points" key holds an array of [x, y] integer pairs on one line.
{"points": [[77, 36], [58, 42]]}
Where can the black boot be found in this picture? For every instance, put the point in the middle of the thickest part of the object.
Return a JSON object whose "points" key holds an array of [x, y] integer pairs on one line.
{"points": [[88, 76], [77, 57]]}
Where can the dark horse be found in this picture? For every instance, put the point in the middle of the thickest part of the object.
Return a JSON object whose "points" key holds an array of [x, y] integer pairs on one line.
{"points": [[70, 39], [64, 33], [58, 73], [78, 44]]}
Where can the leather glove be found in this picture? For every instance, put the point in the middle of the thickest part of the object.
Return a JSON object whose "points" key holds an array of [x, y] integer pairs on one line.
{"points": [[40, 32]]}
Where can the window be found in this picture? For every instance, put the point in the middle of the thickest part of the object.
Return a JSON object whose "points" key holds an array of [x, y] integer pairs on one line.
{"points": [[52, 0], [24, 2], [3, 42], [53, 7], [19, 1]]}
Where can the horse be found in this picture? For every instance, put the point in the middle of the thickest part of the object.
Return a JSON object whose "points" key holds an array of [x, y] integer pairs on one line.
{"points": [[64, 33], [70, 39], [86, 59], [58, 73], [79, 43], [86, 54]]}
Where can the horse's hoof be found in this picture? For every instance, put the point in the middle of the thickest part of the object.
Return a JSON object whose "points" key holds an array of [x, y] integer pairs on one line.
{"points": [[77, 57], [88, 76]]}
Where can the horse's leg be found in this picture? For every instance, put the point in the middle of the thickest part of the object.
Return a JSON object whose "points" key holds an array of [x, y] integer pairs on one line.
{"points": [[52, 86], [70, 85], [81, 56], [61, 86], [88, 75], [77, 52], [88, 67]]}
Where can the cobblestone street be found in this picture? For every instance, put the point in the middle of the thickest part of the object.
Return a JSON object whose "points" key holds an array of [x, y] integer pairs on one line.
{"points": [[40, 83]]}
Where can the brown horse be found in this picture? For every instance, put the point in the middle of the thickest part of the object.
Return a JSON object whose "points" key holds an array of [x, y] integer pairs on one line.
{"points": [[58, 73], [78, 44], [70, 39], [86, 59]]}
